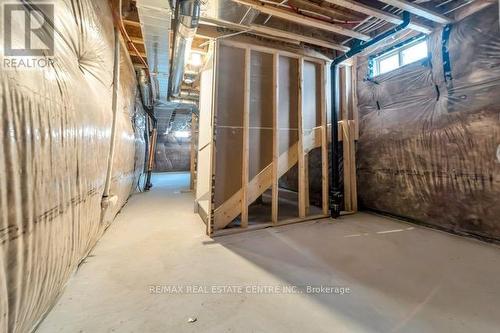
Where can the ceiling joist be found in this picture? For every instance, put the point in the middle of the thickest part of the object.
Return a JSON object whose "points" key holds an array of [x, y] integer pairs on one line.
{"points": [[301, 38], [276, 33], [418, 10], [240, 28], [301, 19], [380, 14]]}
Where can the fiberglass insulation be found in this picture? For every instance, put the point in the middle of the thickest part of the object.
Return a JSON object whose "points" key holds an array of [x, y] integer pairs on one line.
{"points": [[429, 147], [55, 137]]}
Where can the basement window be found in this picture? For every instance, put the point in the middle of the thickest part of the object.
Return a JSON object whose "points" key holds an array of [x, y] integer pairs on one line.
{"points": [[398, 56]]}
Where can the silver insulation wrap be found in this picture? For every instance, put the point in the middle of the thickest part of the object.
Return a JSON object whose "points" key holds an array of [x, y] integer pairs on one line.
{"points": [[55, 138], [430, 138]]}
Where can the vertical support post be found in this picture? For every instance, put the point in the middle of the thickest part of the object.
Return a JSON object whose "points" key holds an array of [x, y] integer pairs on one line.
{"points": [[354, 84], [246, 125], [346, 148], [300, 147], [352, 157], [213, 145], [324, 140], [345, 132], [275, 188], [306, 182], [355, 133], [192, 161], [348, 135]]}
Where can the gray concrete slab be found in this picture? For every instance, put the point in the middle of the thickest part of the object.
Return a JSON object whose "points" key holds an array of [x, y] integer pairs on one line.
{"points": [[401, 277]]}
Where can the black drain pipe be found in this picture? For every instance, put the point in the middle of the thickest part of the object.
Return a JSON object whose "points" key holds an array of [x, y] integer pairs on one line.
{"points": [[335, 190]]}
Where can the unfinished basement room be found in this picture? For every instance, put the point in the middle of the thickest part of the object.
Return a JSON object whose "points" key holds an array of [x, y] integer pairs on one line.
{"points": [[249, 166]]}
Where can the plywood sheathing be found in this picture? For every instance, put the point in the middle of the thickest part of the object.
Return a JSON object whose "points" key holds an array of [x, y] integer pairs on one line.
{"points": [[229, 125]]}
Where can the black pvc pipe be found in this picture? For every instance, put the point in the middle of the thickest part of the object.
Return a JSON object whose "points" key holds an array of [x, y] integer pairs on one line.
{"points": [[335, 190]]}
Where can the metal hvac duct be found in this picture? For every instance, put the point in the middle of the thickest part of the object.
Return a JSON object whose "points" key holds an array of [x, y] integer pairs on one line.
{"points": [[187, 18], [145, 89], [155, 17]]}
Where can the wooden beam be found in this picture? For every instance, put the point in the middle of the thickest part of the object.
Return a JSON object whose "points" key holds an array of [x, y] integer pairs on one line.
{"points": [[275, 188], [301, 38], [418, 10], [355, 113], [246, 148], [203, 32], [301, 19], [306, 183], [346, 147], [352, 157], [137, 40], [134, 54], [300, 146], [132, 23], [370, 11]]}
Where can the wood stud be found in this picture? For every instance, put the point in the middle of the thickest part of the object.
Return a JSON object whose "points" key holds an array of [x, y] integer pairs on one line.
{"points": [[281, 163], [300, 147], [275, 188], [246, 148]]}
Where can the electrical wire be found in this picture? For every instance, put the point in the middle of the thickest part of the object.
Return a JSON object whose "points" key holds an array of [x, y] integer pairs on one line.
{"points": [[118, 18]]}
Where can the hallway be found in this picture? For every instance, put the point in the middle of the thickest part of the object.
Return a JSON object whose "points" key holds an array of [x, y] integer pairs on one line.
{"points": [[401, 277]]}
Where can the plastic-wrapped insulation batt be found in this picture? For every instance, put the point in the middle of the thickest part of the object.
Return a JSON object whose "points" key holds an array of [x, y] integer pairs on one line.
{"points": [[429, 145], [55, 134]]}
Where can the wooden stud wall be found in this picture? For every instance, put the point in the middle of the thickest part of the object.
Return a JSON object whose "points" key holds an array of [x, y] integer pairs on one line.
{"points": [[349, 132], [239, 176]]}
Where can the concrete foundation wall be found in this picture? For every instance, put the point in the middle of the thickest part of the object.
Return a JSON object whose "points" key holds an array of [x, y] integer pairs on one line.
{"points": [[429, 143], [55, 135]]}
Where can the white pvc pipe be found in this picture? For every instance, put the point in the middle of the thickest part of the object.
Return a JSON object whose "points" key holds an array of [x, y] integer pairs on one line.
{"points": [[114, 107]]}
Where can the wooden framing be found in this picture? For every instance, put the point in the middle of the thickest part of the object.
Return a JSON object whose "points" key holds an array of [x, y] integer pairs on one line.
{"points": [[300, 146], [205, 32], [246, 125], [276, 153], [253, 185], [348, 134], [418, 10], [301, 19], [301, 38], [370, 11], [193, 155]]}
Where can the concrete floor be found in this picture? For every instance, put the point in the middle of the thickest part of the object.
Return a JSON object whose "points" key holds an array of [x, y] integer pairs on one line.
{"points": [[402, 278]]}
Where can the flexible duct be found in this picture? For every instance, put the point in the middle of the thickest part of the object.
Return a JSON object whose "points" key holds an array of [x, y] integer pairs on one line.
{"points": [[187, 18], [155, 18]]}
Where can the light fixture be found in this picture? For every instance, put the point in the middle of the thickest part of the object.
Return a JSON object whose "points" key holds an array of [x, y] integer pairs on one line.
{"points": [[182, 134], [196, 59]]}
